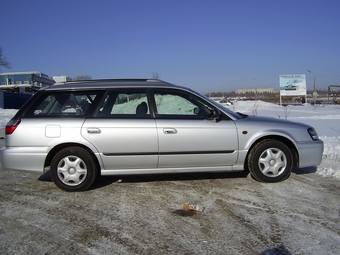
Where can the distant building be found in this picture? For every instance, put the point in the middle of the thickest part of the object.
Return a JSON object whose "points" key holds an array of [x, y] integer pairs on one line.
{"points": [[17, 87], [61, 78], [24, 81], [256, 90]]}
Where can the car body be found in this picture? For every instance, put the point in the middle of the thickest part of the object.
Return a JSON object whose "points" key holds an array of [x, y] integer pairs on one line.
{"points": [[142, 126]]}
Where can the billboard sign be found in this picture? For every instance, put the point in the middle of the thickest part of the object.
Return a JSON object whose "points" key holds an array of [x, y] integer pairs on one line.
{"points": [[293, 85]]}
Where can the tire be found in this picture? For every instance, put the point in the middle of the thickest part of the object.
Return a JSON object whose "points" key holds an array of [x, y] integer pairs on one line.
{"points": [[73, 169], [270, 161]]}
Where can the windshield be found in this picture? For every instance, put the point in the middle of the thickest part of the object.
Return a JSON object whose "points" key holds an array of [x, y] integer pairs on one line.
{"points": [[219, 106], [223, 108]]}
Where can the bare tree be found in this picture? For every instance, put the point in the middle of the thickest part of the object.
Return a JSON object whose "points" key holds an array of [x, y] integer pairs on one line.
{"points": [[82, 77], [3, 60]]}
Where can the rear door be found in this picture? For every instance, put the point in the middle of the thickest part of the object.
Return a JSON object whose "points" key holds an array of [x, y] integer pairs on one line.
{"points": [[123, 131]]}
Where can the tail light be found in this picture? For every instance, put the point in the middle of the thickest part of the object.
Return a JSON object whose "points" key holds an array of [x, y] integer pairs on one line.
{"points": [[11, 126]]}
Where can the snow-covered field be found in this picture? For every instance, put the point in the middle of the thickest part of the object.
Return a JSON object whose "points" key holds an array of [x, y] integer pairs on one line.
{"points": [[325, 118]]}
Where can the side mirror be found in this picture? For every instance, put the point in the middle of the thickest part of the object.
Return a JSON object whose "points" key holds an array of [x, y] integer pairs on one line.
{"points": [[216, 114]]}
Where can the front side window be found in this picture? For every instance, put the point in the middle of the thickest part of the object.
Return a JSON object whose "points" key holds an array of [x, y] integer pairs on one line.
{"points": [[182, 105]]}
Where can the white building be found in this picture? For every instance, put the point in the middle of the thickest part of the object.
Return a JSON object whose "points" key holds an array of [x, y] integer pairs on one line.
{"points": [[61, 78]]}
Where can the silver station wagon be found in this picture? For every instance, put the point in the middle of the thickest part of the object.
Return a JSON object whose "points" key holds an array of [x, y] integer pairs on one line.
{"points": [[79, 130]]}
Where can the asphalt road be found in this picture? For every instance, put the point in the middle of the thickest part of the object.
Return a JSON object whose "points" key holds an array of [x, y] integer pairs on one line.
{"points": [[143, 215]]}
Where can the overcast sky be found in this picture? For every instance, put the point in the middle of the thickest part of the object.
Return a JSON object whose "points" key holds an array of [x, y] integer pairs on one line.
{"points": [[218, 45]]}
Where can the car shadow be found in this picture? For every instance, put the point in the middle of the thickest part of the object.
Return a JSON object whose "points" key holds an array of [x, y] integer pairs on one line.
{"points": [[304, 170], [46, 177], [103, 181]]}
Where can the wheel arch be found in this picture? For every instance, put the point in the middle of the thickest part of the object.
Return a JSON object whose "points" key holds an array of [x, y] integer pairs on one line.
{"points": [[282, 139], [59, 147]]}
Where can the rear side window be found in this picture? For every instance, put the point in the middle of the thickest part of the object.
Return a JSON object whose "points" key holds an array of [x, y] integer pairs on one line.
{"points": [[124, 104], [63, 104]]}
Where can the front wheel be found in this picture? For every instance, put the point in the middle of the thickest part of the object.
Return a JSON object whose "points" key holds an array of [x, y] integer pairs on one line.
{"points": [[270, 161], [73, 169]]}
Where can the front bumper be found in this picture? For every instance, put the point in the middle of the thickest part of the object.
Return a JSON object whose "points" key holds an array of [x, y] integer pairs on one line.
{"points": [[310, 153]]}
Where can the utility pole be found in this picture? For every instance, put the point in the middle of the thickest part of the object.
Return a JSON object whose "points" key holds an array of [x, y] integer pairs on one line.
{"points": [[314, 78], [315, 94]]}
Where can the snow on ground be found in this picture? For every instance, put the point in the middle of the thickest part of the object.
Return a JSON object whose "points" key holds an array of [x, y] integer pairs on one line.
{"points": [[5, 116], [324, 118]]}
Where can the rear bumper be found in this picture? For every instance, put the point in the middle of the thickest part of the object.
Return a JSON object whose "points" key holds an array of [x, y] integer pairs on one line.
{"points": [[310, 153], [23, 159]]}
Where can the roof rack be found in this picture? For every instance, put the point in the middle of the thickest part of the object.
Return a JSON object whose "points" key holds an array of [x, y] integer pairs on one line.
{"points": [[113, 80]]}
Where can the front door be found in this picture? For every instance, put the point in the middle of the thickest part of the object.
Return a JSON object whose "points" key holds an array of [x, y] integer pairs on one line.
{"points": [[188, 136]]}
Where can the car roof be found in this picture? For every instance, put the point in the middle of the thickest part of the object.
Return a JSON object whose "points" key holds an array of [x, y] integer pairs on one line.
{"points": [[112, 83]]}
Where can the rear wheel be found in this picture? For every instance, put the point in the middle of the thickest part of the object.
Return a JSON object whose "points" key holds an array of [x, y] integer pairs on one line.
{"points": [[73, 169], [270, 161]]}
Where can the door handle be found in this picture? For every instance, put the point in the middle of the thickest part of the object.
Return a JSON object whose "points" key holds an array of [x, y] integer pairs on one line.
{"points": [[169, 131], [93, 130]]}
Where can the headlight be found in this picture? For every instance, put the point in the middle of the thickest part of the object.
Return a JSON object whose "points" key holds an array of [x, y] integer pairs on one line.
{"points": [[313, 134]]}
